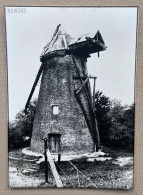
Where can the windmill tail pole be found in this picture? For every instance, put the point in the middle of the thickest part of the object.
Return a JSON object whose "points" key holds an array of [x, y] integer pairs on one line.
{"points": [[34, 86], [96, 133], [54, 171]]}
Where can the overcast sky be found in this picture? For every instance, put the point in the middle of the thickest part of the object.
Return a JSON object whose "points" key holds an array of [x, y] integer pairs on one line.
{"points": [[29, 32]]}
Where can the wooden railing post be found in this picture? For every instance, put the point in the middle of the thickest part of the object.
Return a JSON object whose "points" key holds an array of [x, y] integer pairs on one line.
{"points": [[59, 160]]}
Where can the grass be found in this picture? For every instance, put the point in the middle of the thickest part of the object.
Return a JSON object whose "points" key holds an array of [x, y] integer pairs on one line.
{"points": [[100, 174]]}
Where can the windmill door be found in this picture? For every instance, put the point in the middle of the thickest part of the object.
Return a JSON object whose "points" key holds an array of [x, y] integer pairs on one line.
{"points": [[54, 143]]}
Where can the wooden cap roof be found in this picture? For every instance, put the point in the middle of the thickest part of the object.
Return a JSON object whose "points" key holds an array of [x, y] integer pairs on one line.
{"points": [[59, 41]]}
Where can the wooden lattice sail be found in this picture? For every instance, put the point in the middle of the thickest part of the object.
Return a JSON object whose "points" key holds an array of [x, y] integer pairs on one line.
{"points": [[65, 113]]}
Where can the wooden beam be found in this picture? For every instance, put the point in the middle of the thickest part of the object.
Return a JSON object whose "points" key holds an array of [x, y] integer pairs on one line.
{"points": [[54, 170], [94, 95], [82, 85], [86, 119], [95, 125], [97, 135], [85, 90], [34, 86], [90, 77]]}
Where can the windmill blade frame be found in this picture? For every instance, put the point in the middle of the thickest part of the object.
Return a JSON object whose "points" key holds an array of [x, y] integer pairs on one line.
{"points": [[34, 86]]}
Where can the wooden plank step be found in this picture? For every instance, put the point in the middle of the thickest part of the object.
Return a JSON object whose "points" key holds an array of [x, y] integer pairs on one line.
{"points": [[30, 169]]}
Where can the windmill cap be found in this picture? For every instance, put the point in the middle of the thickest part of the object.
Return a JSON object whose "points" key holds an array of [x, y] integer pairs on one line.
{"points": [[63, 41], [60, 41]]}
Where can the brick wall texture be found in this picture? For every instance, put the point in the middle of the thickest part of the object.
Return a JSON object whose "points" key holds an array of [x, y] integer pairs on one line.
{"points": [[57, 88]]}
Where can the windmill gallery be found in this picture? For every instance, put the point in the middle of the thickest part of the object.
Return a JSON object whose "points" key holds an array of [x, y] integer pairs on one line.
{"points": [[65, 113]]}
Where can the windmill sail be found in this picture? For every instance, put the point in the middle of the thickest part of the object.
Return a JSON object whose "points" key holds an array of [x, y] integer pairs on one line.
{"points": [[34, 86]]}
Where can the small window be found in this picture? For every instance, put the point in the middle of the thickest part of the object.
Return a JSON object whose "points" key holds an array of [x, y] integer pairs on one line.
{"points": [[55, 109]]}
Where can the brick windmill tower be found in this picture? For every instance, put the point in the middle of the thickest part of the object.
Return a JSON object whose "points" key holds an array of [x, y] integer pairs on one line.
{"points": [[65, 112]]}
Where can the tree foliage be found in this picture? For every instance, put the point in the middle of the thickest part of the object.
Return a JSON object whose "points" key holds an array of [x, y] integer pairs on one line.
{"points": [[121, 131], [115, 122], [102, 108], [20, 130]]}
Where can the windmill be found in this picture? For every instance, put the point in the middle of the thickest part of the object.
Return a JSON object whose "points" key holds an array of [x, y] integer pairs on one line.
{"points": [[65, 112]]}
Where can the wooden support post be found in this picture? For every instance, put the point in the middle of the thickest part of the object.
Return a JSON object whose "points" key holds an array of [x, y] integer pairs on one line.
{"points": [[94, 95], [46, 160], [59, 160], [96, 125], [97, 136]]}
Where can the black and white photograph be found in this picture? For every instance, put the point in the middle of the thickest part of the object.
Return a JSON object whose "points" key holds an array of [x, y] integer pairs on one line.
{"points": [[71, 88]]}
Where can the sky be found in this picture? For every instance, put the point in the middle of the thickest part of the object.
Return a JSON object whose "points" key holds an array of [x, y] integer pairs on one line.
{"points": [[29, 31]]}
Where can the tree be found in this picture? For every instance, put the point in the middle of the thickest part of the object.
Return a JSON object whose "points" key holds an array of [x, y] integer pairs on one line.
{"points": [[115, 122], [102, 109], [21, 129], [121, 131], [129, 116]]}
